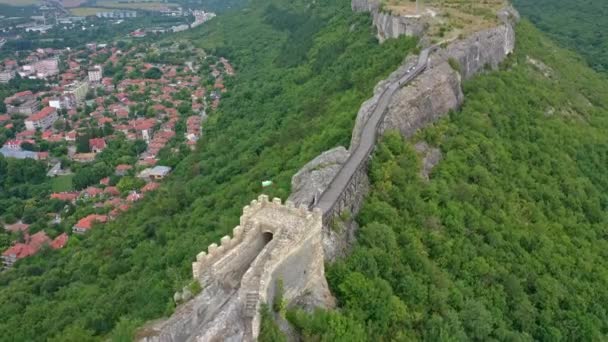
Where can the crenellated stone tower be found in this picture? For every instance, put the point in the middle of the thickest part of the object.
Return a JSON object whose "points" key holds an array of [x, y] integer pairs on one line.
{"points": [[273, 241]]}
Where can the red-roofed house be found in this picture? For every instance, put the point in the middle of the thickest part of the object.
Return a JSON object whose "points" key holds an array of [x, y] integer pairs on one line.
{"points": [[60, 241], [71, 136], [134, 197], [38, 240], [26, 134], [16, 252], [122, 169], [91, 192], [150, 187], [144, 128], [17, 227], [65, 196], [13, 144], [42, 120], [22, 250], [4, 118], [86, 223], [112, 191], [97, 145]]}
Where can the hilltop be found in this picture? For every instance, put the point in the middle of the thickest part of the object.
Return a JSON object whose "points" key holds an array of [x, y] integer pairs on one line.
{"points": [[491, 242], [478, 227]]}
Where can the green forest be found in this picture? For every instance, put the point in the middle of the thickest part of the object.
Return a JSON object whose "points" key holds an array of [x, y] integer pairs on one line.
{"points": [[579, 25], [507, 240], [296, 93]]}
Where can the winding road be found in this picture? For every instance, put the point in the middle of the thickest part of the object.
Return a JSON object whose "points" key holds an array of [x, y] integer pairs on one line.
{"points": [[330, 197]]}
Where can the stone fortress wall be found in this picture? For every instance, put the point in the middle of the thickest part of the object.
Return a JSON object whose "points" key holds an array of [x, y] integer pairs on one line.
{"points": [[273, 242], [281, 241], [433, 93]]}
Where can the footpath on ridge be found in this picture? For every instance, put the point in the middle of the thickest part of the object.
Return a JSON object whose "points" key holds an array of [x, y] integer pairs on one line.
{"points": [[332, 194]]}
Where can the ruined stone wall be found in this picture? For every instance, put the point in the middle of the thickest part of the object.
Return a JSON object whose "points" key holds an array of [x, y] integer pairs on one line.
{"points": [[435, 92], [242, 272], [389, 25]]}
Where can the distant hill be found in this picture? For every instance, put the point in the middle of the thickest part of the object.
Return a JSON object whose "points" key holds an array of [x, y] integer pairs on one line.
{"points": [[579, 25]]}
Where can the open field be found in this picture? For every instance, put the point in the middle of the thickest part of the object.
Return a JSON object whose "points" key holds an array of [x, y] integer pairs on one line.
{"points": [[141, 5], [85, 11], [17, 3], [449, 18], [72, 3], [62, 183]]}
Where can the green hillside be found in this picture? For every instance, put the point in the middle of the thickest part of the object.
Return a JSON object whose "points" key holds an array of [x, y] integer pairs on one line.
{"points": [[578, 25], [508, 239], [302, 72]]}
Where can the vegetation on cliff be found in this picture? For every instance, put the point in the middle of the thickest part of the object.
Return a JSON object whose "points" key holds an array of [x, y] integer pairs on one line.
{"points": [[303, 70], [507, 240]]}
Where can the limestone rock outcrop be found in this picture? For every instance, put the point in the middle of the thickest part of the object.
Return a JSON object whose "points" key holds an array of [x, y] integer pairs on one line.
{"points": [[393, 26], [367, 108], [365, 5], [431, 156], [433, 94], [314, 177], [389, 25]]}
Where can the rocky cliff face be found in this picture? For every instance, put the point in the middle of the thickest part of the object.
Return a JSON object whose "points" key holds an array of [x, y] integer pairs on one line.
{"points": [[391, 26], [365, 5], [434, 93], [388, 25], [315, 176], [484, 49]]}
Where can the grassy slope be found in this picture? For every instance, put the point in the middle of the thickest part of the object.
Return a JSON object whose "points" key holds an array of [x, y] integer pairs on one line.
{"points": [[302, 74], [508, 240]]}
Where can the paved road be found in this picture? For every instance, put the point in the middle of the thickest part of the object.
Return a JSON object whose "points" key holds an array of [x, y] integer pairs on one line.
{"points": [[331, 195]]}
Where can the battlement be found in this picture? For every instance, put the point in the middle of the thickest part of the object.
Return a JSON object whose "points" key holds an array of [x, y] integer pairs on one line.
{"points": [[249, 225]]}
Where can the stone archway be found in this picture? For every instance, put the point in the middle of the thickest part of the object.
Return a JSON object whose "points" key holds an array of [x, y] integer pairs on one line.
{"points": [[267, 237]]}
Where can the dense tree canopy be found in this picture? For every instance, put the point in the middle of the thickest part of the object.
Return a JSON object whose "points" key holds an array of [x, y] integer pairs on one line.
{"points": [[579, 25], [284, 108], [507, 240]]}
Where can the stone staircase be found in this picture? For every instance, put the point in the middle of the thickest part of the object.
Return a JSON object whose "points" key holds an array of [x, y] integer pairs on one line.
{"points": [[251, 303]]}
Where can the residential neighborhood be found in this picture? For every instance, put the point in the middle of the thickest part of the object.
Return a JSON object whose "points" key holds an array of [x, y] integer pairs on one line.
{"points": [[104, 123]]}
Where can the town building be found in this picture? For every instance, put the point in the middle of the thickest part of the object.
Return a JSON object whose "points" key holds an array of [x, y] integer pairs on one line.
{"points": [[144, 128], [97, 145], [6, 76], [156, 173], [78, 90], [60, 241], [22, 250], [46, 67], [122, 169], [24, 102], [116, 14], [95, 74], [86, 223], [42, 120], [63, 102]]}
